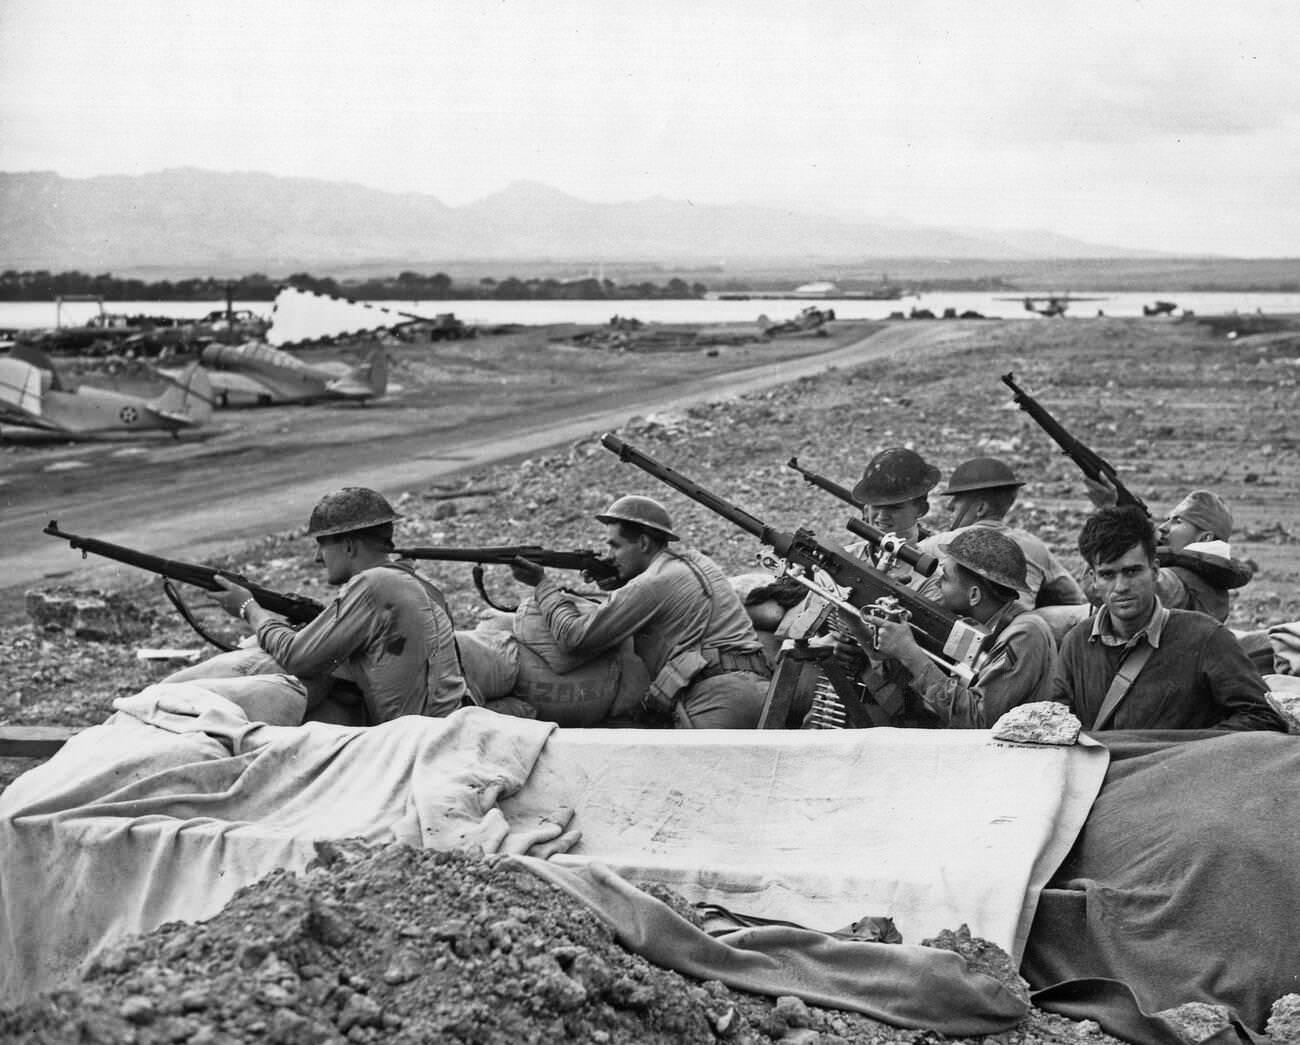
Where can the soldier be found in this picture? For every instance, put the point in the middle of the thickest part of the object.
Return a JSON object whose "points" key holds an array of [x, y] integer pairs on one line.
{"points": [[387, 631], [982, 577], [895, 487], [1138, 664], [980, 493], [707, 666], [1197, 569]]}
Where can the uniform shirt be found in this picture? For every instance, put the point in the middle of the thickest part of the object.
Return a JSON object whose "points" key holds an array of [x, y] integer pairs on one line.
{"points": [[1197, 677], [1047, 581], [386, 631], [1017, 668], [681, 601]]}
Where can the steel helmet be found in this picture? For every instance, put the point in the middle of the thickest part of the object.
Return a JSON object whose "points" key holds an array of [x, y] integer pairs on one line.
{"points": [[347, 510], [981, 473], [895, 475], [992, 555], [644, 511]]}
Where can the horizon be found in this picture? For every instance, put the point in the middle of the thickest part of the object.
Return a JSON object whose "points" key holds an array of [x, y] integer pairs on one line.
{"points": [[1148, 125]]}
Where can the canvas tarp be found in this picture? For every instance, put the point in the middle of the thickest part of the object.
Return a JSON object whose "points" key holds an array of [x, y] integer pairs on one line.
{"points": [[1184, 885], [165, 811], [932, 828]]}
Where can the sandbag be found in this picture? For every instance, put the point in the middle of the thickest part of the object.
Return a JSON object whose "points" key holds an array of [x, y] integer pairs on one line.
{"points": [[489, 660], [532, 631], [580, 696], [574, 689], [609, 686]]}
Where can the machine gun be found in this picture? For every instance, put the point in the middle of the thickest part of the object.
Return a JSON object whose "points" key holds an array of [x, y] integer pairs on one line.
{"points": [[829, 485], [949, 640], [1090, 463], [298, 609], [600, 571]]}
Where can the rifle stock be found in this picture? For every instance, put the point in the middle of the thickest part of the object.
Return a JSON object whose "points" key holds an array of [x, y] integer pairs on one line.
{"points": [[1089, 462], [600, 570], [829, 485], [938, 631], [298, 609]]}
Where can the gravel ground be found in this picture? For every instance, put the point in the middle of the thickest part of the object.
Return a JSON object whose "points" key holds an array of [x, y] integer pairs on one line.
{"points": [[426, 947]]}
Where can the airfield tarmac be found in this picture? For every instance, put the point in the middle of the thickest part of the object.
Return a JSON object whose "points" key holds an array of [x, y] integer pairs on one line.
{"points": [[453, 407]]}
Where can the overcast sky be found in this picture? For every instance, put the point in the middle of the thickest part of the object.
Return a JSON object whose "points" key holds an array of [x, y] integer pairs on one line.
{"points": [[1170, 125]]}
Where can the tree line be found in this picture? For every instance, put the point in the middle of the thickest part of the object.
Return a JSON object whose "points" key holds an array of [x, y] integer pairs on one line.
{"points": [[42, 285]]}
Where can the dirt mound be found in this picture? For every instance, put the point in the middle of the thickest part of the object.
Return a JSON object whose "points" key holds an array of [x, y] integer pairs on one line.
{"points": [[400, 945]]}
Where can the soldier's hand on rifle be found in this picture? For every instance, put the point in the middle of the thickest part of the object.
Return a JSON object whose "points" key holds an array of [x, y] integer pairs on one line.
{"points": [[526, 571], [232, 597], [894, 639], [1101, 493]]}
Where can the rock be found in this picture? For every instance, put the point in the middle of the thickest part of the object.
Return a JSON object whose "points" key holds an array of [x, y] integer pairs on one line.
{"points": [[982, 956], [87, 614], [1040, 722], [1283, 1027], [1196, 1020]]}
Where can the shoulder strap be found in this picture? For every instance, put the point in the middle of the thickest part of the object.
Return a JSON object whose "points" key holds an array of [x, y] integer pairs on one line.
{"points": [[1122, 683]]}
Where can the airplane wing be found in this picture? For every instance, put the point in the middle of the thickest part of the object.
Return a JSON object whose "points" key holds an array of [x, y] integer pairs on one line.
{"points": [[240, 384]]}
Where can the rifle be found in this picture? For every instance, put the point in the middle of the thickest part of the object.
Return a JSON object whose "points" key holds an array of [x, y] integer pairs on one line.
{"points": [[951, 641], [298, 609], [600, 571], [829, 485], [1090, 463]]}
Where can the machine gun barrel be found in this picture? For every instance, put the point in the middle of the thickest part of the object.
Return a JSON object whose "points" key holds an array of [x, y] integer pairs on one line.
{"points": [[1093, 465], [938, 631], [602, 572], [298, 609], [829, 485]]}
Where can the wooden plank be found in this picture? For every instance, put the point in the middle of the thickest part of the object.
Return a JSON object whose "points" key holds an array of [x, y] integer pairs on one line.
{"points": [[34, 741]]}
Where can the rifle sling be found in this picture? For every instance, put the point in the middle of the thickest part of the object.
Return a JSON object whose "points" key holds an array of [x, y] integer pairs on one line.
{"points": [[174, 597], [1122, 683]]}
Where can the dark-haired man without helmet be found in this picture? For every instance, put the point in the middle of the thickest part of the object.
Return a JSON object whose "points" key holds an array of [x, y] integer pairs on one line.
{"points": [[980, 492], [982, 577], [387, 631], [1140, 665], [707, 666]]}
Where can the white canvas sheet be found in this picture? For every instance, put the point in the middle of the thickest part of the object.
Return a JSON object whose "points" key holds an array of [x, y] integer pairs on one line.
{"points": [[164, 812], [933, 828]]}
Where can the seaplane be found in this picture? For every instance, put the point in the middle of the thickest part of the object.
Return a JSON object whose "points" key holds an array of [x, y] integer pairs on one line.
{"points": [[255, 374], [32, 395], [1048, 304]]}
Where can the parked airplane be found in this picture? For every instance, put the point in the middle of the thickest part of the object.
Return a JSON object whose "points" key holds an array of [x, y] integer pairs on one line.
{"points": [[33, 396], [255, 374], [1048, 304]]}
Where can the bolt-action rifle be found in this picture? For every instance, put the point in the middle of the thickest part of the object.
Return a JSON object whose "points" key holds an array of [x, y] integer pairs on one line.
{"points": [[599, 570], [829, 485], [951, 641], [1092, 465], [297, 609]]}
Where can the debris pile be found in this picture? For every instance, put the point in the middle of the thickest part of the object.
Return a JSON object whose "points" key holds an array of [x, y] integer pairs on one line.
{"points": [[398, 945]]}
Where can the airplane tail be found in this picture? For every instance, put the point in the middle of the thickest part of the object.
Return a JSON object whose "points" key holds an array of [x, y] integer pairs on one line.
{"points": [[374, 371], [366, 380], [188, 399]]}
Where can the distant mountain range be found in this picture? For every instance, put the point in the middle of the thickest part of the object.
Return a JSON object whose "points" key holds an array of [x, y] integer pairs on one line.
{"points": [[237, 223]]}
